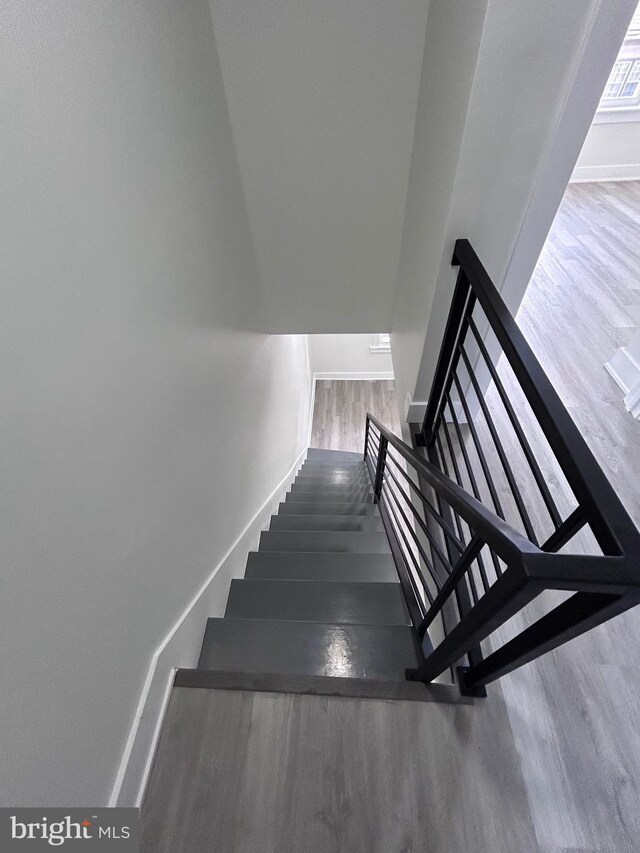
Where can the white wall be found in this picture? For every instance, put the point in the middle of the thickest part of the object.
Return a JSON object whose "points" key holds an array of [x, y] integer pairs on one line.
{"points": [[143, 424], [334, 355], [536, 83], [454, 30], [611, 152]]}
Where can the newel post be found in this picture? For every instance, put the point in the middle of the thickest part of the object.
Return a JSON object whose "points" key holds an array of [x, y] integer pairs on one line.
{"points": [[382, 458]]}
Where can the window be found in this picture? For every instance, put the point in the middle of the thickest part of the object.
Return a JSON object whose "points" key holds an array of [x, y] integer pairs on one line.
{"points": [[381, 343], [624, 82], [623, 86]]}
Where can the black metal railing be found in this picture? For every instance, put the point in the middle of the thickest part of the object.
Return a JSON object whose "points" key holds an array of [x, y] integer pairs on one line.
{"points": [[502, 501]]}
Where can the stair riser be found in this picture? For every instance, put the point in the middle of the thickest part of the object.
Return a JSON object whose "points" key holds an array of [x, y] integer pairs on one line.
{"points": [[328, 497], [330, 470], [317, 508], [304, 483], [337, 491], [358, 482], [324, 470], [362, 523], [324, 467], [351, 464], [321, 561], [337, 461], [332, 456], [333, 541], [339, 574]]}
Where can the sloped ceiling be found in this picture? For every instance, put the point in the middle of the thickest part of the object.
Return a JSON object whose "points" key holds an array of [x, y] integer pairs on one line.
{"points": [[322, 98]]}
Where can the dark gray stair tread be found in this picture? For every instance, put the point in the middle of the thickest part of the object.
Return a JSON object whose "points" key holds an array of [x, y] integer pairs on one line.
{"points": [[336, 491], [339, 478], [328, 508], [332, 540], [329, 497], [326, 468], [338, 488], [359, 523], [325, 465], [318, 601], [319, 565], [347, 467], [302, 648], [314, 454], [340, 456], [331, 482], [319, 685]]}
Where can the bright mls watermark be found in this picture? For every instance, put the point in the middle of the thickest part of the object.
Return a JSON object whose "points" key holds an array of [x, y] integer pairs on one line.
{"points": [[91, 829]]}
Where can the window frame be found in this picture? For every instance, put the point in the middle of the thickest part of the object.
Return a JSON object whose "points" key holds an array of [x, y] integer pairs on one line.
{"points": [[381, 342], [624, 109]]}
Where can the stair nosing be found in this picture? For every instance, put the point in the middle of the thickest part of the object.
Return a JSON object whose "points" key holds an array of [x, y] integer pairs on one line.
{"points": [[320, 685], [345, 553], [304, 580]]}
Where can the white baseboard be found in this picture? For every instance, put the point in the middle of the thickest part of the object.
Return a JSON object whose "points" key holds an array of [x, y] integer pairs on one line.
{"points": [[623, 369], [365, 377], [632, 401], [312, 407], [624, 366], [180, 648], [586, 174]]}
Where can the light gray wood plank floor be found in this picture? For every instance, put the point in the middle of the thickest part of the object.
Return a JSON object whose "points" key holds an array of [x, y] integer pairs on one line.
{"points": [[340, 409], [575, 713], [240, 772], [582, 304]]}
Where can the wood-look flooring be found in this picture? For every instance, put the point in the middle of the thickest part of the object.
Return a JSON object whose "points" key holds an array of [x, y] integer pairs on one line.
{"points": [[575, 713], [241, 772], [582, 304], [550, 762], [340, 409]]}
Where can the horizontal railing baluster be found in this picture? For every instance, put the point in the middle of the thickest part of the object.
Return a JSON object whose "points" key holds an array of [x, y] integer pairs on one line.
{"points": [[407, 581], [462, 306], [463, 565], [474, 591], [478, 446], [445, 430], [432, 540], [524, 444], [472, 479], [388, 493], [446, 529], [515, 491], [463, 449]]}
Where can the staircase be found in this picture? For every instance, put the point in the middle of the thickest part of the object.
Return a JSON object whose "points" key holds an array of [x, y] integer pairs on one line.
{"points": [[320, 609], [364, 559]]}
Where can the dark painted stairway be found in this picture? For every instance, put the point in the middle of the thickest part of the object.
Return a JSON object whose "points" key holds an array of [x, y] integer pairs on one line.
{"points": [[320, 609]]}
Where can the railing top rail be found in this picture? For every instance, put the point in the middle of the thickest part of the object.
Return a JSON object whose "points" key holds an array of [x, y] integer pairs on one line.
{"points": [[508, 543], [609, 520]]}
